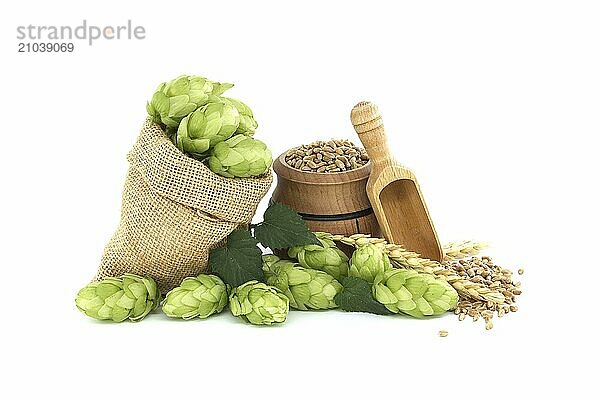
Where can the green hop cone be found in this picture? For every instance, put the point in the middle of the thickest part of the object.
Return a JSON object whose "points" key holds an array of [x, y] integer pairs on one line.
{"points": [[200, 297], [258, 303], [368, 261], [126, 297], [414, 293], [268, 260], [327, 257], [174, 100], [248, 124], [305, 288], [205, 127], [220, 88], [241, 156]]}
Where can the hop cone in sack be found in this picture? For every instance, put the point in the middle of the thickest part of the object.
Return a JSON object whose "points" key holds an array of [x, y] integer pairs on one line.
{"points": [[248, 124], [200, 297], [241, 156], [258, 303], [327, 257], [220, 88], [205, 127], [413, 293], [127, 297], [368, 261], [174, 100], [305, 288]]}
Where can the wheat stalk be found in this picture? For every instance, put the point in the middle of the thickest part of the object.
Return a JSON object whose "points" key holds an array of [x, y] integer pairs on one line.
{"points": [[463, 249], [403, 258]]}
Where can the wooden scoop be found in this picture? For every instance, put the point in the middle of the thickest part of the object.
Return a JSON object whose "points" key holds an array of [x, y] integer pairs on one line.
{"points": [[393, 189]]}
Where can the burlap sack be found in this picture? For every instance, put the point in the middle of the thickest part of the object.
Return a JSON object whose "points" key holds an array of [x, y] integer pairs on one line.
{"points": [[174, 211]]}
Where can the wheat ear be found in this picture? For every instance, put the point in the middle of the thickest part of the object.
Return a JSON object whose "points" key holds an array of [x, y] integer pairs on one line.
{"points": [[463, 249]]}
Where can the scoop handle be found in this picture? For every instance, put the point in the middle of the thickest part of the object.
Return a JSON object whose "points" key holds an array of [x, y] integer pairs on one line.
{"points": [[369, 126]]}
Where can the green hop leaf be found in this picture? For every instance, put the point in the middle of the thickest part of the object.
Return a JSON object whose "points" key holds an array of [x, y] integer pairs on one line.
{"points": [[357, 296], [238, 262], [282, 227]]}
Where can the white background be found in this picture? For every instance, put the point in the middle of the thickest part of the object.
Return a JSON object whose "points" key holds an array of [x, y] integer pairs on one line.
{"points": [[495, 105]]}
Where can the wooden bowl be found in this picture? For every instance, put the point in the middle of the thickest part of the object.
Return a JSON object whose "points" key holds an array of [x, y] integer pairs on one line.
{"points": [[334, 202]]}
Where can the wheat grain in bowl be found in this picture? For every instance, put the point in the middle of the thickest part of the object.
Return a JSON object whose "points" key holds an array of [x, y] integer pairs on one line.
{"points": [[335, 155]]}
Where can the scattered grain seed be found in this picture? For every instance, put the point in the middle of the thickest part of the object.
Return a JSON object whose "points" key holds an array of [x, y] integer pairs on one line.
{"points": [[443, 333]]}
